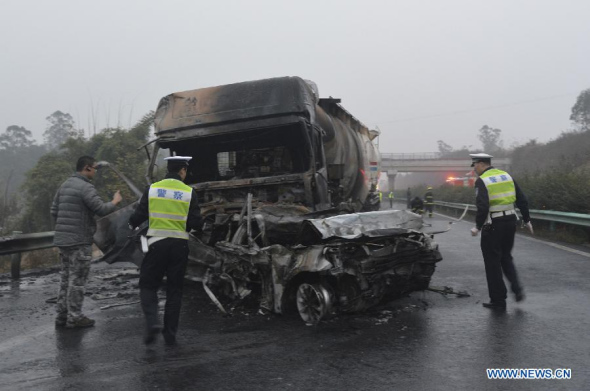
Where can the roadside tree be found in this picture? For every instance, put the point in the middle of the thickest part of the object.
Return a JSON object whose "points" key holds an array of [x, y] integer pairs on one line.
{"points": [[117, 146], [490, 139], [444, 148], [61, 127], [16, 137], [581, 110]]}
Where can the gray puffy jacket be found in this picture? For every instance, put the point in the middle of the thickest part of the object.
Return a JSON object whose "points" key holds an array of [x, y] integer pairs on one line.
{"points": [[73, 209]]}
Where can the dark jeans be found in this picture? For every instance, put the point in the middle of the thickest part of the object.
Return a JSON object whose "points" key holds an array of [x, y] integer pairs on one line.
{"points": [[497, 241], [168, 257]]}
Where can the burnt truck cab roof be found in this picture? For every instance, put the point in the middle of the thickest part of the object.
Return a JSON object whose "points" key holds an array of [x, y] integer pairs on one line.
{"points": [[252, 137], [221, 109]]}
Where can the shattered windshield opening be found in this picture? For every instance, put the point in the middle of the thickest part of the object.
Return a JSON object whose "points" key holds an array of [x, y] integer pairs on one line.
{"points": [[246, 154]]}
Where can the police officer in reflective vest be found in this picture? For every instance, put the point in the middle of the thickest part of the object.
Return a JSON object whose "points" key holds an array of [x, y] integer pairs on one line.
{"points": [[172, 210], [429, 200], [390, 196], [496, 193]]}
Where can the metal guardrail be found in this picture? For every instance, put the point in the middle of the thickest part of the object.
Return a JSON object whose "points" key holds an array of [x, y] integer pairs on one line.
{"points": [[18, 243], [546, 215]]}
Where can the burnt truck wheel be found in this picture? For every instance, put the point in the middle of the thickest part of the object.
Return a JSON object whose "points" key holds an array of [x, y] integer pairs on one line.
{"points": [[313, 302]]}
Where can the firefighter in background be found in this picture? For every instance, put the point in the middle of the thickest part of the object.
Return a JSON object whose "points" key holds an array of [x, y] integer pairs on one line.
{"points": [[390, 196], [380, 198], [417, 205], [429, 200]]}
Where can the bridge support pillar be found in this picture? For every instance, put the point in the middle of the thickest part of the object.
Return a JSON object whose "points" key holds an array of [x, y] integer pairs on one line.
{"points": [[391, 174]]}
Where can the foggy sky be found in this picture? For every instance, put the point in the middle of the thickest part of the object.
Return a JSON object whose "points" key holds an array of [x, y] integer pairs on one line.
{"points": [[420, 71]]}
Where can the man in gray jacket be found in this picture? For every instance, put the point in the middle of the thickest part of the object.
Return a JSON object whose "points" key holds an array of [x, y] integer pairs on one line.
{"points": [[73, 209]]}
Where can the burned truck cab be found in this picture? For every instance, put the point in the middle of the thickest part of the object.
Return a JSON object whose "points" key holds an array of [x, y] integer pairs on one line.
{"points": [[253, 137]]}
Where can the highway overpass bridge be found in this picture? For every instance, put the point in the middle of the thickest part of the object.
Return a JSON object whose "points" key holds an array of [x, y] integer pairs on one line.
{"points": [[394, 163]]}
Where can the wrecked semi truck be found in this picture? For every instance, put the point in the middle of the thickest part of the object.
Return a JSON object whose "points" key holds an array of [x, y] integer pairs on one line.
{"points": [[287, 187], [274, 138]]}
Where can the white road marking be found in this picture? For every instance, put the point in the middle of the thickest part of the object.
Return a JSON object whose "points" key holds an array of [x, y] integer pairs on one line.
{"points": [[568, 249], [559, 246]]}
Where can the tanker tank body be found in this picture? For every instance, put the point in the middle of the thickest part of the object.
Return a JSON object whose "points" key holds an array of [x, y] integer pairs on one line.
{"points": [[351, 156]]}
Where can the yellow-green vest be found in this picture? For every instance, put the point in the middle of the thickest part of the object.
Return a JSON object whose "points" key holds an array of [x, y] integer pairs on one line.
{"points": [[390, 195], [169, 202], [501, 190]]}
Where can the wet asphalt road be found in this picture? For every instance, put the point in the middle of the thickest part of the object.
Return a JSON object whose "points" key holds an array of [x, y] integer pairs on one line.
{"points": [[423, 342]]}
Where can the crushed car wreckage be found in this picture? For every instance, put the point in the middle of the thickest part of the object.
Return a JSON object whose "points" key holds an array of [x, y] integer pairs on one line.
{"points": [[287, 186], [344, 263]]}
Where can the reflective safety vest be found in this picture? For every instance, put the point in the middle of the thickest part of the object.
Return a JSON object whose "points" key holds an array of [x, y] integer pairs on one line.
{"points": [[501, 190], [390, 195], [169, 202], [380, 196]]}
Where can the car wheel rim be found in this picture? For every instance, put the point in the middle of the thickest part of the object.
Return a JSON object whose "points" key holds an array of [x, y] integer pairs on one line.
{"points": [[312, 302]]}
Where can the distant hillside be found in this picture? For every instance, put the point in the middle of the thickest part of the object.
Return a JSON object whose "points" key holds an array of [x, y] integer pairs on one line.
{"points": [[569, 151], [555, 175]]}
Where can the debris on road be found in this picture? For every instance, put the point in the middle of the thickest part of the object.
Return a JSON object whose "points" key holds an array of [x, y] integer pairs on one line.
{"points": [[447, 290], [118, 305]]}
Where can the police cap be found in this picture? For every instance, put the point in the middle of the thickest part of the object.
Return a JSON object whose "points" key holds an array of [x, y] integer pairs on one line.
{"points": [[178, 160], [480, 157]]}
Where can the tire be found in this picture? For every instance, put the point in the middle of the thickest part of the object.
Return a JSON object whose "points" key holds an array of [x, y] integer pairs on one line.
{"points": [[314, 302]]}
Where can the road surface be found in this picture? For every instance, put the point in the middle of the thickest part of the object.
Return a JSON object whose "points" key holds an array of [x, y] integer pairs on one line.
{"points": [[426, 341]]}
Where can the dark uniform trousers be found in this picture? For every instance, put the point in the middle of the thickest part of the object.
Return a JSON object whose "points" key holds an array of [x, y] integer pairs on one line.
{"points": [[429, 203], [429, 207], [497, 240], [167, 257]]}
